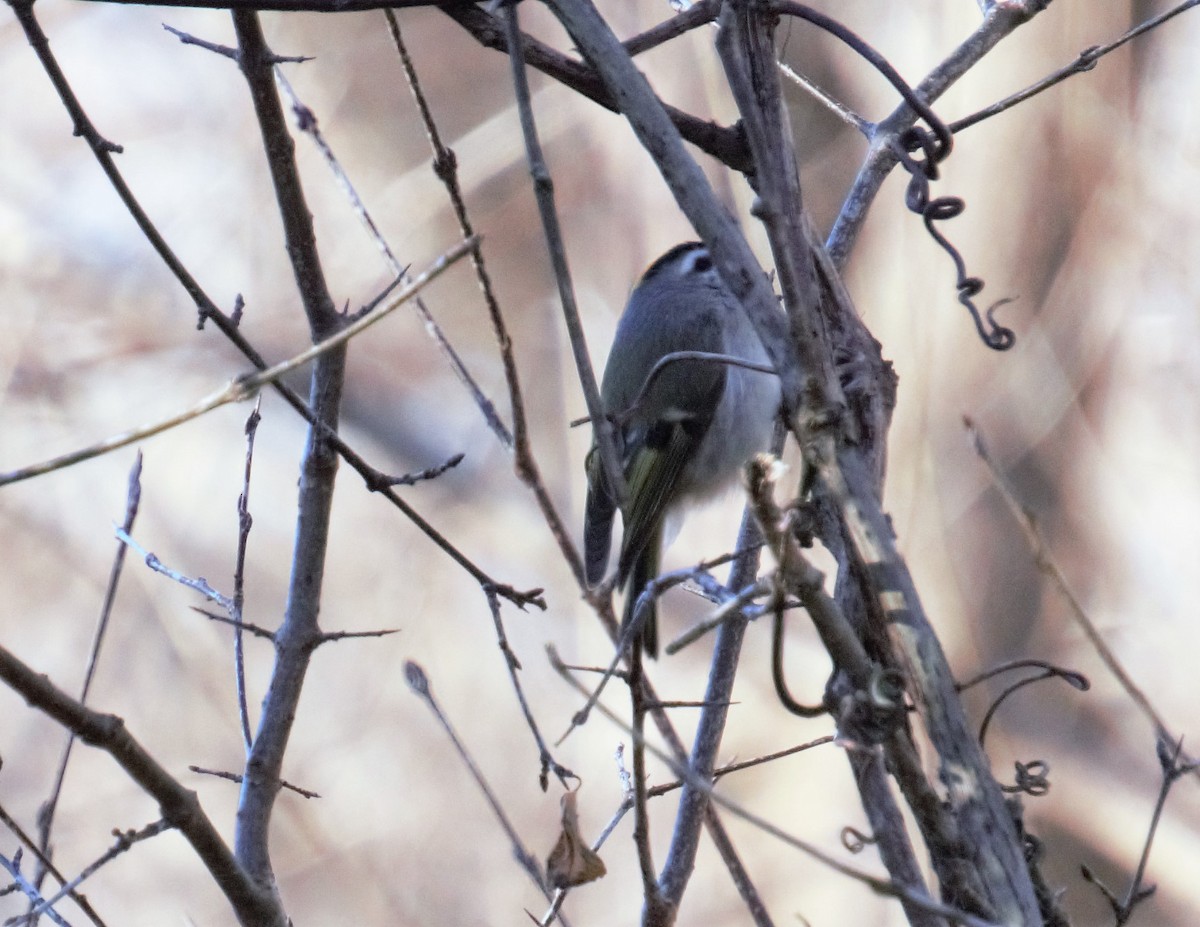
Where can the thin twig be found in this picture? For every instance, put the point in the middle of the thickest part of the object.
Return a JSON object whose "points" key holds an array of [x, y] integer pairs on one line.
{"points": [[12, 866], [46, 812], [548, 763], [228, 51], [651, 592], [1047, 566], [236, 777], [654, 905], [445, 165], [831, 103], [722, 771], [620, 416], [307, 122], [45, 863], [429, 473], [734, 603], [418, 681], [103, 150], [248, 626], [1174, 765], [243, 387], [327, 637], [1000, 21], [239, 577], [1086, 60], [125, 841], [198, 583], [543, 187]]}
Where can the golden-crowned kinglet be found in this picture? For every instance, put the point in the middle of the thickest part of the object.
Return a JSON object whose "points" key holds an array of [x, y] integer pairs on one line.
{"points": [[686, 437]]}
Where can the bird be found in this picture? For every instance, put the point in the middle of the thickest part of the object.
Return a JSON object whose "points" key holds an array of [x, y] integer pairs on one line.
{"points": [[683, 438]]}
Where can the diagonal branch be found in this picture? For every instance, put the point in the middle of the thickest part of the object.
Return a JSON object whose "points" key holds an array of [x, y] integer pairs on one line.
{"points": [[254, 905], [999, 22], [725, 143]]}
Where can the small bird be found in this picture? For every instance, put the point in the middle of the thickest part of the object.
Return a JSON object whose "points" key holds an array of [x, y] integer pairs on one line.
{"points": [[686, 437]]}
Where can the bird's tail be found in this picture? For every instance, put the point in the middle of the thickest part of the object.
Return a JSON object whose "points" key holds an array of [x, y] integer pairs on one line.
{"points": [[645, 569]]}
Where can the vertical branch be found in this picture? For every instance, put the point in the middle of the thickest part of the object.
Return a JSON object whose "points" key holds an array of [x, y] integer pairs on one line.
{"points": [[257, 64], [745, 43], [46, 812], [445, 165], [844, 474], [653, 912], [543, 187], [239, 577], [694, 806], [746, 46], [889, 833], [982, 828], [694, 802], [299, 633]]}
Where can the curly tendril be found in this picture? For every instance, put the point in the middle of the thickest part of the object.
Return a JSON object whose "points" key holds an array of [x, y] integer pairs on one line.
{"points": [[1033, 779], [935, 143], [940, 209]]}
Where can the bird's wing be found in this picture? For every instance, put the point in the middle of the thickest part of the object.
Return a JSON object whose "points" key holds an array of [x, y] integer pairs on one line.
{"points": [[654, 467], [598, 514]]}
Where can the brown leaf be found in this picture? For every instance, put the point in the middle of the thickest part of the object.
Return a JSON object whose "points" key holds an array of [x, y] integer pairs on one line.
{"points": [[572, 862]]}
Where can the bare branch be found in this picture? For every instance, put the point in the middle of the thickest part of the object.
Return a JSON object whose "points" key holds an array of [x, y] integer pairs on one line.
{"points": [[227, 51], [254, 905], [46, 812], [1049, 569], [429, 473], [235, 777], [548, 763], [544, 191], [1087, 59], [13, 868], [243, 387], [725, 143], [239, 576], [1000, 21], [418, 681], [125, 841], [445, 165], [44, 862], [307, 122]]}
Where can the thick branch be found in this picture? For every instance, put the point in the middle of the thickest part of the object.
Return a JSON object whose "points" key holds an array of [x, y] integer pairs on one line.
{"points": [[254, 905], [299, 633]]}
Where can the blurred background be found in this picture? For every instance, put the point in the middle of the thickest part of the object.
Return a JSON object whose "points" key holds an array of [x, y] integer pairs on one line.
{"points": [[1082, 203]]}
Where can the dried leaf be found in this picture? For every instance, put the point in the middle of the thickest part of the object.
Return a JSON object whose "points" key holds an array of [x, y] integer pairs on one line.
{"points": [[572, 862]]}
